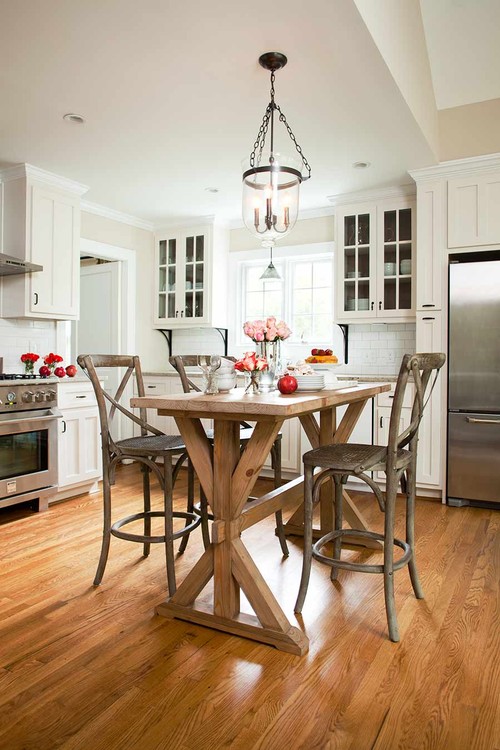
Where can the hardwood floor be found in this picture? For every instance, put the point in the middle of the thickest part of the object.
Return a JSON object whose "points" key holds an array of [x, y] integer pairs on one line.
{"points": [[95, 668]]}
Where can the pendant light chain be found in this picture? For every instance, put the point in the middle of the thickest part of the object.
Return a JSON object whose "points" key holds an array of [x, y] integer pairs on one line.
{"points": [[261, 136]]}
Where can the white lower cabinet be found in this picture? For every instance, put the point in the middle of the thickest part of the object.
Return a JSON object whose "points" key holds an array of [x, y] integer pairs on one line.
{"points": [[79, 441]]}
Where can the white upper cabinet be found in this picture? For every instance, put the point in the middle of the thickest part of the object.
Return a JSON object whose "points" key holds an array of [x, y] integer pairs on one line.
{"points": [[191, 277], [431, 244], [41, 224], [375, 250], [474, 210]]}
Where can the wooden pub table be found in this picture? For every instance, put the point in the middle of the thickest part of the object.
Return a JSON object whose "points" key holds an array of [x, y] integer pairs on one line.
{"points": [[228, 479]]}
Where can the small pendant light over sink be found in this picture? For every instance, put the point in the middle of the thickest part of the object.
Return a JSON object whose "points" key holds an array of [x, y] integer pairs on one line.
{"points": [[271, 181]]}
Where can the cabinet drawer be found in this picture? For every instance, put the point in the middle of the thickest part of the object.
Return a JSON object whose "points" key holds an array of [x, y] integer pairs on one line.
{"points": [[75, 394], [387, 398]]}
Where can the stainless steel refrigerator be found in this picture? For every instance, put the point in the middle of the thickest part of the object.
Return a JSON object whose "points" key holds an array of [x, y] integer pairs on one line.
{"points": [[474, 380]]}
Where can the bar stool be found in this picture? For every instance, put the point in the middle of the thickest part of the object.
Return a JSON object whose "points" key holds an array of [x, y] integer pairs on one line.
{"points": [[147, 449], [398, 460], [179, 363]]}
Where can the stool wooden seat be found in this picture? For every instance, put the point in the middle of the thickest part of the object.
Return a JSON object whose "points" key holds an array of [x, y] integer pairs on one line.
{"points": [[398, 460], [146, 448]]}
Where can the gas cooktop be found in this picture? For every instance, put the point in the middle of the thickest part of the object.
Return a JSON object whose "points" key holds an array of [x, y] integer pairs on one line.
{"points": [[19, 376]]}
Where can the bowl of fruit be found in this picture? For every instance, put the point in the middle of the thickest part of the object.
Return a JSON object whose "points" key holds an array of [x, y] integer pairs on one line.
{"points": [[322, 356]]}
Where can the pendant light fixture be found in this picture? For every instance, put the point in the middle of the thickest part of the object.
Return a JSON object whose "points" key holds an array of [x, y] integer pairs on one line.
{"points": [[271, 181]]}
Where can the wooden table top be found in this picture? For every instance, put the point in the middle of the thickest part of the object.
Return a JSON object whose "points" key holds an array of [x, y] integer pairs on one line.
{"points": [[237, 404]]}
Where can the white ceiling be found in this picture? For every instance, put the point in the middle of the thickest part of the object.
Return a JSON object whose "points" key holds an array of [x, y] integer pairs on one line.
{"points": [[463, 42], [173, 97]]}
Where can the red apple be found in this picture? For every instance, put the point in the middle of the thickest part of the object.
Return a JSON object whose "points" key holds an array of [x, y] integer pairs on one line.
{"points": [[287, 384], [328, 352], [71, 371], [320, 352], [314, 352], [59, 372], [44, 371]]}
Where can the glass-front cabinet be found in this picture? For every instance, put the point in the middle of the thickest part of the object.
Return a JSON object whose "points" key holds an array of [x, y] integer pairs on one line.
{"points": [[396, 261], [375, 261], [184, 278], [357, 264]]}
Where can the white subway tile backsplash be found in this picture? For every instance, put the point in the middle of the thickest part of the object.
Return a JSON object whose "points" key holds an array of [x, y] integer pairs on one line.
{"points": [[378, 348], [18, 336]]}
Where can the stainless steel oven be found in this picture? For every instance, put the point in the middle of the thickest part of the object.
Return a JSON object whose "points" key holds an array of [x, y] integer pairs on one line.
{"points": [[28, 442]]}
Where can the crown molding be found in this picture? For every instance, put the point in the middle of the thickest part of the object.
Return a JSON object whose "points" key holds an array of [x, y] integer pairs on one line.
{"points": [[458, 168], [20, 171], [376, 194], [190, 222], [110, 213]]}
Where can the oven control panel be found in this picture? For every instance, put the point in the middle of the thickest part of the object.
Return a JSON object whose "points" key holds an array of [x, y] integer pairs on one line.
{"points": [[27, 397]]}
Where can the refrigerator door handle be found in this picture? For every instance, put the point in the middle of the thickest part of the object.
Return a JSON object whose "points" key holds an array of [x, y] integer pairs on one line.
{"points": [[474, 420]]}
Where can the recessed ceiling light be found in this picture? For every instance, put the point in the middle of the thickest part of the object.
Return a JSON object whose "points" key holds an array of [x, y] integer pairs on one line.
{"points": [[72, 117], [361, 164], [212, 190]]}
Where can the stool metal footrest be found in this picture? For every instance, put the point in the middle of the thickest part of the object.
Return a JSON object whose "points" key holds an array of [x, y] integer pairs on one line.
{"points": [[360, 567], [141, 538]]}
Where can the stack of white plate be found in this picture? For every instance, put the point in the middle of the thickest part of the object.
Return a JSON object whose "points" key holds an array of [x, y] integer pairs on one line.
{"points": [[310, 382]]}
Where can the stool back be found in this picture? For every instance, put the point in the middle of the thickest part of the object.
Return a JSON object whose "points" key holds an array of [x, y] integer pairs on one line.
{"points": [[108, 405], [421, 367]]}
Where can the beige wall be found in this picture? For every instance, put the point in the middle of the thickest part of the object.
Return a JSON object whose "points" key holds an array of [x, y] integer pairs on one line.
{"points": [[150, 345], [471, 130], [397, 29], [307, 230]]}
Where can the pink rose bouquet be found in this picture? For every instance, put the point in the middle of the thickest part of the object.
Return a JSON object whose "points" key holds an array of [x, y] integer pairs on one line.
{"points": [[266, 330], [250, 362]]}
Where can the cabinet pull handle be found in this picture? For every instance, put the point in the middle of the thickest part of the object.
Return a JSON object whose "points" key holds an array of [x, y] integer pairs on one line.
{"points": [[381, 422], [64, 426], [372, 305], [391, 396], [475, 420], [428, 305], [182, 313], [150, 386], [36, 298], [81, 396], [380, 305], [428, 318]]}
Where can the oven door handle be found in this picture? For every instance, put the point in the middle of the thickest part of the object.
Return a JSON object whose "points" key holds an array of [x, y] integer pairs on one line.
{"points": [[31, 415]]}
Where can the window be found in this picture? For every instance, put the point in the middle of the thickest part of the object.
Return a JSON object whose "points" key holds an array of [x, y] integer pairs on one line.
{"points": [[303, 297]]}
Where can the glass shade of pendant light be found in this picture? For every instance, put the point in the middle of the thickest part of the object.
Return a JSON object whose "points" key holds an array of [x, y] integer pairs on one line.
{"points": [[271, 181]]}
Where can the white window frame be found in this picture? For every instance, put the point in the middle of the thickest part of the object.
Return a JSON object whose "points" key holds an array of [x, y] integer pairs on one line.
{"points": [[286, 257]]}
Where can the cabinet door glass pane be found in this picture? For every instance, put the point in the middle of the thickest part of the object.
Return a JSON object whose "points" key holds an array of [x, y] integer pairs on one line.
{"points": [[189, 249], [404, 234], [200, 248], [172, 252], [163, 252], [198, 305]]}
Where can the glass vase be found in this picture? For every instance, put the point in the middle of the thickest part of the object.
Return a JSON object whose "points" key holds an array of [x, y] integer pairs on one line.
{"points": [[271, 350], [28, 367], [253, 381]]}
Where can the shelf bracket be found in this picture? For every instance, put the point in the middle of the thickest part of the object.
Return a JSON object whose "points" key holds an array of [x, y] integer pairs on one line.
{"points": [[345, 333], [224, 334], [167, 333]]}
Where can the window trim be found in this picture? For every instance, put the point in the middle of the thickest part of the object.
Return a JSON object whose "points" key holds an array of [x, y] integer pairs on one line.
{"points": [[286, 256]]}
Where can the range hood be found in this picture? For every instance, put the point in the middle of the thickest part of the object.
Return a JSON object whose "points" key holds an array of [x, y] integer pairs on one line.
{"points": [[10, 265]]}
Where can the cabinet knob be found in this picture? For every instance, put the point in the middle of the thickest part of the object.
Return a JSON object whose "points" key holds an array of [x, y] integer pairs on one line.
{"points": [[380, 305], [373, 305]]}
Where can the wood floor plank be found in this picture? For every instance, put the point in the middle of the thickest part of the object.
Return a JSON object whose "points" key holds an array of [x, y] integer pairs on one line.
{"points": [[94, 668]]}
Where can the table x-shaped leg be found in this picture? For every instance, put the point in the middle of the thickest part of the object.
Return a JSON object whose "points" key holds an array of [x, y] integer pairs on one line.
{"points": [[228, 479]]}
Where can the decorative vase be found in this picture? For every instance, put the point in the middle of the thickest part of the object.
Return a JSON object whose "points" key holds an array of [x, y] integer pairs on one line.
{"points": [[253, 378], [271, 350]]}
